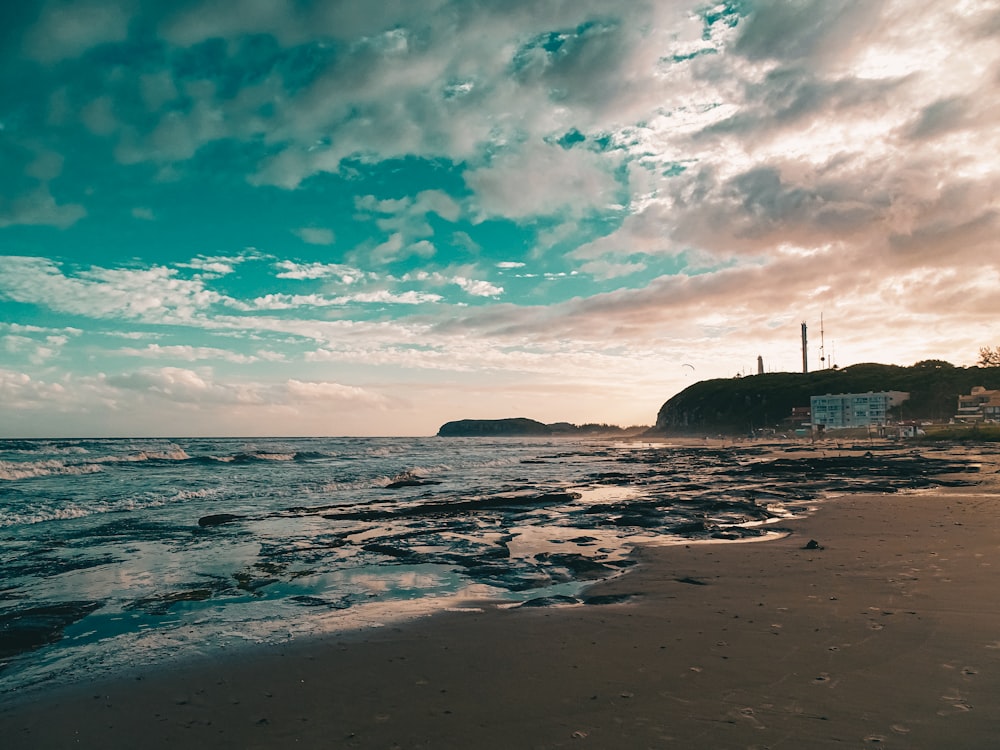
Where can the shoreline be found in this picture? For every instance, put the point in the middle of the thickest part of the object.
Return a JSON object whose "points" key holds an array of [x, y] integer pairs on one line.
{"points": [[884, 637]]}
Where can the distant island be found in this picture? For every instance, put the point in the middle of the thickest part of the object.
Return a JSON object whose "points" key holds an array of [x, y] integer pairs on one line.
{"points": [[524, 427]]}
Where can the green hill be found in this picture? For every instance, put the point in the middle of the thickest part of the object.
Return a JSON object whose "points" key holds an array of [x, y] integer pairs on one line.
{"points": [[740, 405]]}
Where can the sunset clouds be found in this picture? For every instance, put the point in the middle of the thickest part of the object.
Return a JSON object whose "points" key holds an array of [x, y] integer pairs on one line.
{"points": [[363, 218]]}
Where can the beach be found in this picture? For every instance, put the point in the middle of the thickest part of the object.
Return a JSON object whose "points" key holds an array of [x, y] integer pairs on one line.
{"points": [[874, 622]]}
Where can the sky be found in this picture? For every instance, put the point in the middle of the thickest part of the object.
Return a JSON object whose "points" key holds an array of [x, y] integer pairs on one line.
{"points": [[294, 217]]}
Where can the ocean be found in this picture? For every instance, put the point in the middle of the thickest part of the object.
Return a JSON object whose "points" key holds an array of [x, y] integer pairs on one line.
{"points": [[118, 554]]}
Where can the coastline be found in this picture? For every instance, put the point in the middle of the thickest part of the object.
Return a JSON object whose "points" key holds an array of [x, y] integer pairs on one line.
{"points": [[884, 637]]}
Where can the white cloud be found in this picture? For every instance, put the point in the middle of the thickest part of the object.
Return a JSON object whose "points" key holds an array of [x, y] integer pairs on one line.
{"points": [[155, 294], [68, 28], [187, 353], [601, 269], [345, 274], [380, 296], [332, 392], [18, 391], [39, 207], [541, 180], [475, 287], [478, 288], [315, 235], [34, 351]]}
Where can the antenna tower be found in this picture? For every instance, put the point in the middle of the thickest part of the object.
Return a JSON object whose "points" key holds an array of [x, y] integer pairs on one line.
{"points": [[822, 345], [805, 348]]}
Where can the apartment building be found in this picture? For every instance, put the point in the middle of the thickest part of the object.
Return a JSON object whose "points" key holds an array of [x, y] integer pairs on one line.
{"points": [[842, 410]]}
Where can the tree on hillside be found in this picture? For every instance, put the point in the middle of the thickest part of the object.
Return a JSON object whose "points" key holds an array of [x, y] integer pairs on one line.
{"points": [[989, 357]]}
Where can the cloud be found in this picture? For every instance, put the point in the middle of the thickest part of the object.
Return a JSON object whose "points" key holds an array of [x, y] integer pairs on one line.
{"points": [[156, 294], [314, 235], [806, 29], [601, 269], [477, 288], [201, 387], [33, 350], [333, 392], [542, 180], [186, 352], [293, 270], [39, 207], [19, 392], [184, 386], [68, 28], [381, 297]]}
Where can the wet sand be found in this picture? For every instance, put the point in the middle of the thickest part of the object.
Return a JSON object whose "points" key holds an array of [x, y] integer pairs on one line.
{"points": [[888, 636]]}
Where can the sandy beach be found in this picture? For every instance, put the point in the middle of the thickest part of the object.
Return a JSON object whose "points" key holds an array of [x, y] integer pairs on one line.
{"points": [[886, 634]]}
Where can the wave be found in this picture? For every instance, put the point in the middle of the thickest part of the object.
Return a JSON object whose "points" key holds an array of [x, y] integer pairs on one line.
{"points": [[75, 510], [14, 470], [246, 458], [25, 447]]}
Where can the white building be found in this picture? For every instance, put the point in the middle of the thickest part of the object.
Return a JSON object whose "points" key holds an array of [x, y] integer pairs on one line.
{"points": [[853, 409]]}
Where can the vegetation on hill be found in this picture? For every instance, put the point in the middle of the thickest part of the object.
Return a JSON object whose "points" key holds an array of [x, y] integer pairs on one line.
{"points": [[742, 405]]}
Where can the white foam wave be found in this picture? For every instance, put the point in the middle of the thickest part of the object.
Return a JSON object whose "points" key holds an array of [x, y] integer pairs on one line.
{"points": [[74, 510], [175, 454], [13, 470], [68, 450], [40, 516]]}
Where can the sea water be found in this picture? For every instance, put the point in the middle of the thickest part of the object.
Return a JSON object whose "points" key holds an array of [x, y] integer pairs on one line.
{"points": [[120, 553]]}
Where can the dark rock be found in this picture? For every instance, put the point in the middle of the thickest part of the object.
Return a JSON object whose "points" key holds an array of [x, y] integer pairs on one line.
{"points": [[690, 580], [28, 629], [813, 544], [581, 567], [246, 581], [608, 599], [497, 502], [315, 601], [218, 519], [160, 604], [549, 601], [388, 550], [412, 482]]}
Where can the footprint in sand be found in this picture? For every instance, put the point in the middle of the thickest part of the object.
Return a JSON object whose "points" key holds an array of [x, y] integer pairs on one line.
{"points": [[958, 703], [748, 714]]}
